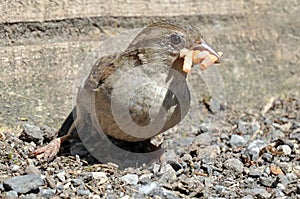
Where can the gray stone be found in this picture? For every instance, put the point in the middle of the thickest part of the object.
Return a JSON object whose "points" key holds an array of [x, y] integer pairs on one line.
{"points": [[172, 159], [209, 152], [184, 141], [11, 194], [130, 178], [48, 132], [249, 180], [207, 168], [160, 192], [47, 193], [83, 192], [15, 167], [32, 133], [234, 164], [219, 188], [101, 177], [237, 140], [285, 149], [187, 157], [168, 174], [156, 168], [254, 148], [255, 172], [296, 135], [95, 197], [275, 134], [145, 178], [77, 182], [247, 197], [261, 193], [248, 127], [23, 184], [30, 196], [280, 186], [146, 189], [279, 194], [168, 194], [1, 187], [287, 179], [208, 182], [61, 176], [203, 139], [267, 157], [292, 178], [267, 181]]}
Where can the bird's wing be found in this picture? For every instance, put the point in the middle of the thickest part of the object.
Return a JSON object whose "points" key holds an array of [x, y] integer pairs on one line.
{"points": [[102, 69]]}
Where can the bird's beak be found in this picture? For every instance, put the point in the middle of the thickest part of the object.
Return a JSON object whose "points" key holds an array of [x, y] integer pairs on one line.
{"points": [[203, 45]]}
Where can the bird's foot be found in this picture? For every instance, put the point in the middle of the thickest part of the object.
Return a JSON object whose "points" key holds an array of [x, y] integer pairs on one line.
{"points": [[49, 151]]}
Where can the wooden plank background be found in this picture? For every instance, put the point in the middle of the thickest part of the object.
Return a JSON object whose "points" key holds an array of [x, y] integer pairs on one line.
{"points": [[47, 10]]}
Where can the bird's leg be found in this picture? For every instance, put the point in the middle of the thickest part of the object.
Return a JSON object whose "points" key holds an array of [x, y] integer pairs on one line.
{"points": [[49, 151]]}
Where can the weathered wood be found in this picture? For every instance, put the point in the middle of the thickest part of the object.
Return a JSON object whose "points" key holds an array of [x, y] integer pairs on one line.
{"points": [[45, 10], [39, 61]]}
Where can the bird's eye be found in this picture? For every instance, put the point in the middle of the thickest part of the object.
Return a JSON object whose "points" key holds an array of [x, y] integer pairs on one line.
{"points": [[175, 39]]}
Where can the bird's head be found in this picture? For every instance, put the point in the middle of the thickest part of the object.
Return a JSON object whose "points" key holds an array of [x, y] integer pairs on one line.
{"points": [[166, 40]]}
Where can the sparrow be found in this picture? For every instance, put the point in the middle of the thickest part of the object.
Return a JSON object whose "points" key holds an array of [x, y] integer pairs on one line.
{"points": [[139, 93]]}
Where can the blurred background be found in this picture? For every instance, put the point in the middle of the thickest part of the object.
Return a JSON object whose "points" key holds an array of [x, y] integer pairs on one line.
{"points": [[44, 43]]}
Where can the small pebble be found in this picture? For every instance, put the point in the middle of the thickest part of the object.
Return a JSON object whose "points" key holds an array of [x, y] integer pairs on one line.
{"points": [[237, 140], [32, 133], [255, 172], [95, 197], [168, 174], [23, 184], [209, 152], [285, 149], [172, 159], [146, 189], [267, 181], [82, 192], [267, 157], [1, 187], [254, 148], [247, 197], [130, 178], [145, 178], [203, 139], [156, 168], [15, 167], [261, 192], [11, 194], [100, 176], [47, 193], [61, 176], [234, 164]]}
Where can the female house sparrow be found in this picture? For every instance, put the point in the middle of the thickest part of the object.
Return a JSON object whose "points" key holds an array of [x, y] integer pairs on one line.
{"points": [[139, 93]]}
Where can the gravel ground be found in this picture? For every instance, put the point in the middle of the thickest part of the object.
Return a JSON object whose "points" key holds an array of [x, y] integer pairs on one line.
{"points": [[247, 155]]}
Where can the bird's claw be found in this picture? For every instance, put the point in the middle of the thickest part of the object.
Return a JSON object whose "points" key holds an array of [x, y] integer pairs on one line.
{"points": [[49, 151]]}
